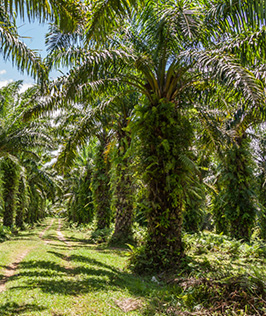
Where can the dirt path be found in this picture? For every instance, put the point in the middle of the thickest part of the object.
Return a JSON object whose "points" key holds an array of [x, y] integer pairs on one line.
{"points": [[60, 235], [44, 231], [63, 239], [62, 277], [11, 270]]}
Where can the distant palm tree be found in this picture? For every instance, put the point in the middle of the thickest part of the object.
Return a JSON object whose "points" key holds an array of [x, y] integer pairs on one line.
{"points": [[91, 123], [77, 187], [17, 140], [42, 186], [226, 133]]}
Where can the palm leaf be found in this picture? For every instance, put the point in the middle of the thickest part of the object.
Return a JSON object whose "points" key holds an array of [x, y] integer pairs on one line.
{"points": [[105, 15]]}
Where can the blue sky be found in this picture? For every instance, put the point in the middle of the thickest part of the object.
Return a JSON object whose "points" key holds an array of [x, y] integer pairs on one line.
{"points": [[36, 33]]}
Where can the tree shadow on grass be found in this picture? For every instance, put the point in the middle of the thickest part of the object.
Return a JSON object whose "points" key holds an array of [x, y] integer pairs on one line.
{"points": [[49, 269], [93, 276], [40, 264], [114, 250], [22, 236], [26, 239], [52, 238], [66, 247], [9, 309], [67, 287], [81, 241], [77, 240], [83, 259]]}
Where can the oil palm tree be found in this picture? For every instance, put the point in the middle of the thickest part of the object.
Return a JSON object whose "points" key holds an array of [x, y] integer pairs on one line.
{"points": [[77, 186], [159, 53], [91, 125], [149, 65], [122, 181], [227, 132], [17, 140], [119, 114]]}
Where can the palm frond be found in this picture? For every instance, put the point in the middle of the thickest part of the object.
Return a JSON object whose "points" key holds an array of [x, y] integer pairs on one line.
{"points": [[105, 15], [227, 70], [20, 55], [241, 14], [66, 13], [79, 137], [249, 47], [56, 39], [181, 18]]}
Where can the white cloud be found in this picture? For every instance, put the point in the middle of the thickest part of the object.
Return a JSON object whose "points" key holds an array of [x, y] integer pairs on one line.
{"points": [[25, 86], [5, 82], [2, 72]]}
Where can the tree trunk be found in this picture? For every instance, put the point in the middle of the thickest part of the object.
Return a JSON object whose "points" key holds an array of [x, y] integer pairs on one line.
{"points": [[21, 205], [123, 191], [101, 187], [165, 136], [237, 195], [33, 206], [124, 210], [85, 210], [10, 187], [164, 244]]}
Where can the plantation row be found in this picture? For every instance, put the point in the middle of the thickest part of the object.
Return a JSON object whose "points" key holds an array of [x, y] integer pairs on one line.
{"points": [[157, 124]]}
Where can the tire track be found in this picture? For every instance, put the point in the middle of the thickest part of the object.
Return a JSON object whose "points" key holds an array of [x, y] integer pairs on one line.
{"points": [[11, 270], [44, 231], [61, 237]]}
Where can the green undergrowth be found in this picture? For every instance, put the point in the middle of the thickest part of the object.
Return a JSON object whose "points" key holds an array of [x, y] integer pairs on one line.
{"points": [[221, 276], [99, 236], [5, 233], [218, 276]]}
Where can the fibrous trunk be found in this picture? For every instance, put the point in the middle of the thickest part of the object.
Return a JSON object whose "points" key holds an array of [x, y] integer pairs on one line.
{"points": [[33, 208], [85, 210], [123, 192], [237, 195], [10, 187], [101, 187], [165, 137], [21, 204]]}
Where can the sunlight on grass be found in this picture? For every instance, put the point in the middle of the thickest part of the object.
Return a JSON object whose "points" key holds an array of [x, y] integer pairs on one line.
{"points": [[79, 278]]}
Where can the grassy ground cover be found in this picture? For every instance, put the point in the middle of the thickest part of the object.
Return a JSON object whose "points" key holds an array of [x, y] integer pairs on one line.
{"points": [[75, 277], [56, 278]]}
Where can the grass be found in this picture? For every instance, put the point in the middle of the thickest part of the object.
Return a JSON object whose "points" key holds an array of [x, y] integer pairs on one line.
{"points": [[56, 279], [221, 277]]}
